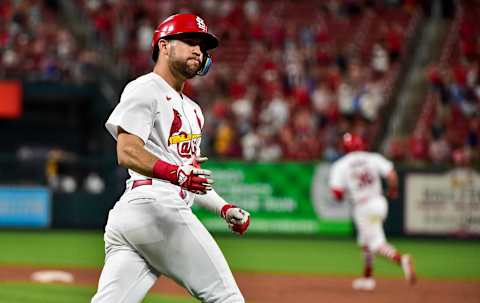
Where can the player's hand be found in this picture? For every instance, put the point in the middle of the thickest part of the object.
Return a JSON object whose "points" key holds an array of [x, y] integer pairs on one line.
{"points": [[194, 179], [237, 219], [197, 161]]}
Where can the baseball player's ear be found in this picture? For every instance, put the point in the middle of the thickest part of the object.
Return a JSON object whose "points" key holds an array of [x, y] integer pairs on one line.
{"points": [[163, 45]]}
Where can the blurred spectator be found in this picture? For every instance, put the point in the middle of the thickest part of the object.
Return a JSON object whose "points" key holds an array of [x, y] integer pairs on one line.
{"points": [[439, 150], [380, 61], [358, 95], [243, 110], [251, 9], [227, 140], [251, 145], [462, 157], [275, 113], [56, 170], [144, 35], [269, 149], [322, 99], [394, 41], [418, 146]]}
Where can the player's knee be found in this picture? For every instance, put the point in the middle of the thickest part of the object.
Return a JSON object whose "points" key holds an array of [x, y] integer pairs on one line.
{"points": [[374, 246]]}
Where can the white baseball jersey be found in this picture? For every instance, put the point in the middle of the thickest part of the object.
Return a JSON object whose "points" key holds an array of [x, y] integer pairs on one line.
{"points": [[170, 124], [359, 174]]}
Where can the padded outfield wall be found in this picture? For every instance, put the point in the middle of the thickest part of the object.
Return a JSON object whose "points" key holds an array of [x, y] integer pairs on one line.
{"points": [[283, 198]]}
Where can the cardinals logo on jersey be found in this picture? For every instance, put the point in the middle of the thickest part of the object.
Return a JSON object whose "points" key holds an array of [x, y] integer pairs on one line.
{"points": [[186, 143], [176, 125]]}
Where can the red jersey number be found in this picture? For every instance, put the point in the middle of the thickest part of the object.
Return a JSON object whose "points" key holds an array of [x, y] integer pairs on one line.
{"points": [[364, 179]]}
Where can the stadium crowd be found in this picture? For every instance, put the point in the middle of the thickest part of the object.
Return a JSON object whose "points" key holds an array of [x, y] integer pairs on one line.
{"points": [[288, 79], [35, 45], [448, 130], [298, 73]]}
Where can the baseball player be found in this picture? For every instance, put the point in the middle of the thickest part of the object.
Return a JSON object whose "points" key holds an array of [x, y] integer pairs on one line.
{"points": [[151, 231], [358, 174]]}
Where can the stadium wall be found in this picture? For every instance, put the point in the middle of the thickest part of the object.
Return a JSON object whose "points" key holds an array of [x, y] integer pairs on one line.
{"points": [[284, 198]]}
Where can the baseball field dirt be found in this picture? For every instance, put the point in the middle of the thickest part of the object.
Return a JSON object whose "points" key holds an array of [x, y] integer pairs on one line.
{"points": [[279, 288]]}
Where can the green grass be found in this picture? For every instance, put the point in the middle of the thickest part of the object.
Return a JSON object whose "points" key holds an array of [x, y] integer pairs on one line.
{"points": [[62, 248], [55, 293], [434, 258]]}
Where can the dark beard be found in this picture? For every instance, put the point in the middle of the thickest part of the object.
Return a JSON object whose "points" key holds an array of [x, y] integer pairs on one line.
{"points": [[181, 67]]}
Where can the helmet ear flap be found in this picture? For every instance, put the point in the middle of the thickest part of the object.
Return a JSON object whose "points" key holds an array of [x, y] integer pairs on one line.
{"points": [[207, 62]]}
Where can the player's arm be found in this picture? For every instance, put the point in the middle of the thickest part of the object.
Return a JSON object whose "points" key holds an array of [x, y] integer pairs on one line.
{"points": [[392, 184], [336, 182], [387, 170], [132, 154], [238, 220]]}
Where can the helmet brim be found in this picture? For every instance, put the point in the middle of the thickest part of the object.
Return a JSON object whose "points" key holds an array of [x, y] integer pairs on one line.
{"points": [[210, 40]]}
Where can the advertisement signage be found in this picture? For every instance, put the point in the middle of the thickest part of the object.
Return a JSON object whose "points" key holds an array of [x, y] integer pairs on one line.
{"points": [[281, 197], [24, 207], [441, 204]]}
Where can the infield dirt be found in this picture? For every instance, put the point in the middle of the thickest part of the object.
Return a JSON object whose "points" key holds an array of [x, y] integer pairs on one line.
{"points": [[270, 288]]}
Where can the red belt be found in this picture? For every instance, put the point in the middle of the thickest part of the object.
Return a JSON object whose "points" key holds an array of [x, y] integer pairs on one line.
{"points": [[138, 183]]}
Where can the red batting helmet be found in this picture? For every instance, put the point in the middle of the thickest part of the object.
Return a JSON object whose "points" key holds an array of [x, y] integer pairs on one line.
{"points": [[176, 25], [353, 142]]}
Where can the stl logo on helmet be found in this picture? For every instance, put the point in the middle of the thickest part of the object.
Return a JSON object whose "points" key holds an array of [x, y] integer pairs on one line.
{"points": [[187, 144], [201, 24]]}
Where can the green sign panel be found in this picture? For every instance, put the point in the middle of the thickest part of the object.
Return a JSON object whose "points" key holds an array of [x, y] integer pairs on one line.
{"points": [[277, 195]]}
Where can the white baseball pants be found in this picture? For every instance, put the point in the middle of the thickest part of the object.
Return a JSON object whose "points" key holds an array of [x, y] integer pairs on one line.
{"points": [[368, 218], [149, 234]]}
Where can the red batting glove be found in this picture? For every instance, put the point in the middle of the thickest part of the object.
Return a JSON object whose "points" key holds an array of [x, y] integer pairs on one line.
{"points": [[186, 176], [237, 219], [194, 179]]}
